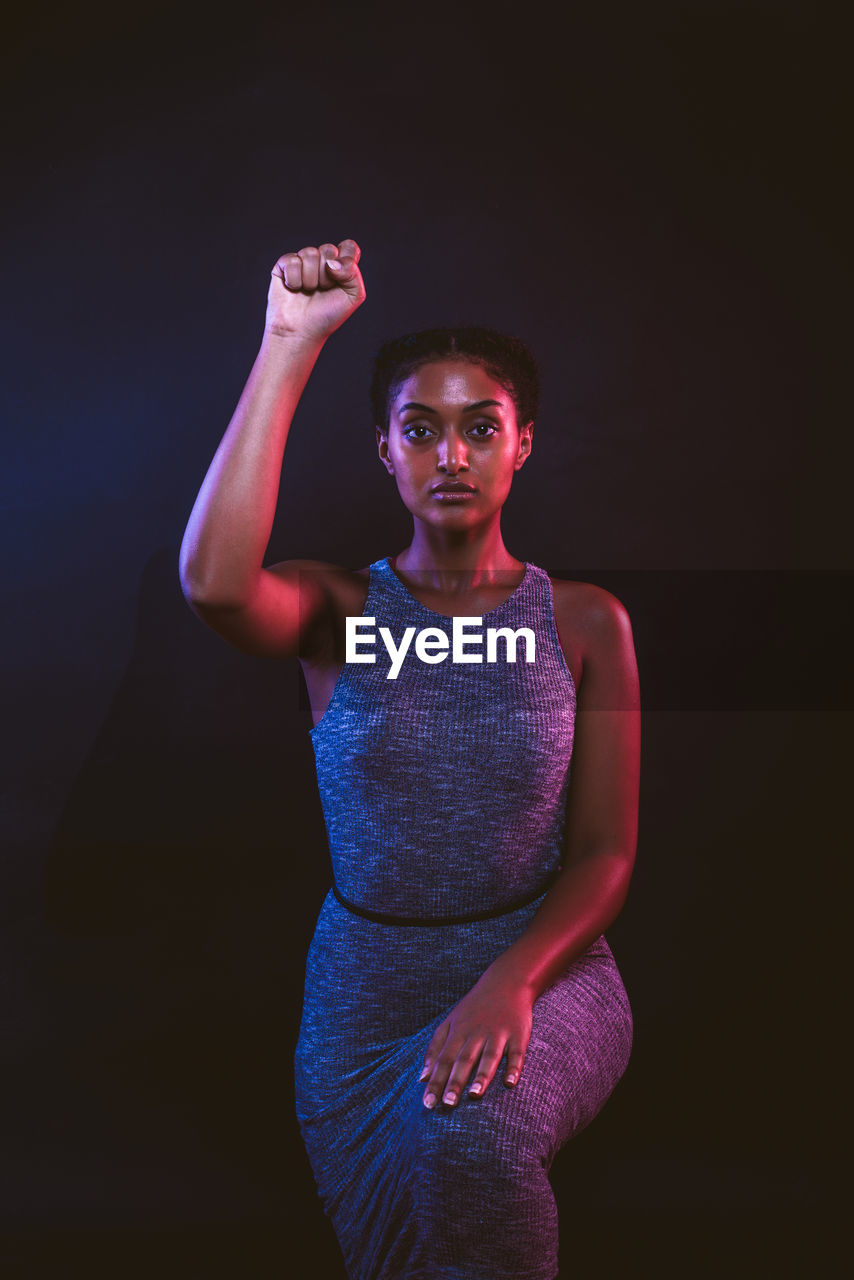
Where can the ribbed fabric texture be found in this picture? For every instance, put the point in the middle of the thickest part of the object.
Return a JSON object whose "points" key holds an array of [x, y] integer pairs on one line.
{"points": [[444, 792]]}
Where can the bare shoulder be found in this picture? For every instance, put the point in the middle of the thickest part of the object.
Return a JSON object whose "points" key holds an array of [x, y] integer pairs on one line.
{"points": [[591, 622], [591, 604]]}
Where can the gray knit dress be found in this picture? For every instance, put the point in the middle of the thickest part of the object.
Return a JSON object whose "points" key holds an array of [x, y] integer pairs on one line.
{"points": [[444, 795]]}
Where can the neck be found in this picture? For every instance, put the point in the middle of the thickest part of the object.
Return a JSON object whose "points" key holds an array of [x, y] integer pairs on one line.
{"points": [[457, 561]]}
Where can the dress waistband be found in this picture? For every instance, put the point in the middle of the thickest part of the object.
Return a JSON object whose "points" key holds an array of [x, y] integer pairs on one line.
{"points": [[384, 918]]}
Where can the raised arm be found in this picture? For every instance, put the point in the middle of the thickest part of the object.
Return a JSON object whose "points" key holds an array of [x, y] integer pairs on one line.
{"points": [[274, 611]]}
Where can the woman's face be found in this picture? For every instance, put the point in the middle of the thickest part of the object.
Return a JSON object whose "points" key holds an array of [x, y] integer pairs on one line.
{"points": [[451, 423]]}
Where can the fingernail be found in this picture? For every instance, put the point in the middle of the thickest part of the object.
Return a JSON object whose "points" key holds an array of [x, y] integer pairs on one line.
{"points": [[476, 1087], [511, 1079], [450, 1097], [430, 1100], [424, 1074], [334, 265]]}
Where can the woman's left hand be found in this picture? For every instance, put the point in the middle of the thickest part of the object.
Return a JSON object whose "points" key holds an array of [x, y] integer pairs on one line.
{"points": [[495, 1014]]}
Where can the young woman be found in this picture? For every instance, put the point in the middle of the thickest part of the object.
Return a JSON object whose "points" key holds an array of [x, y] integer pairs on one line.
{"points": [[463, 1014]]}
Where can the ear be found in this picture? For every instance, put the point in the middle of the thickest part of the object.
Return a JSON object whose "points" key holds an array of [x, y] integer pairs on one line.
{"points": [[525, 443], [382, 449]]}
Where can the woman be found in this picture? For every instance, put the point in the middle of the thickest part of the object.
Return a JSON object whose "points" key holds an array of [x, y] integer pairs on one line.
{"points": [[463, 1014]]}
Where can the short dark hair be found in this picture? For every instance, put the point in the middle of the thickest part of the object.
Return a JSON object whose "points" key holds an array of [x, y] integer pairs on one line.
{"points": [[505, 358]]}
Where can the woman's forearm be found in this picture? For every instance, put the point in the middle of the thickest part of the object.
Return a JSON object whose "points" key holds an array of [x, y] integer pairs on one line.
{"points": [[230, 524], [586, 898]]}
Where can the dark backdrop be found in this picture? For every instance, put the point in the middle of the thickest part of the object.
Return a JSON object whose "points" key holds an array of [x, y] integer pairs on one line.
{"points": [[652, 196]]}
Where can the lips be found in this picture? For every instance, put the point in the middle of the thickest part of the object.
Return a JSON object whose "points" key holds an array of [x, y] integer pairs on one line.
{"points": [[453, 486]]}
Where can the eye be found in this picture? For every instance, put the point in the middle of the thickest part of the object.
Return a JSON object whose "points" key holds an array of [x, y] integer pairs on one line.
{"points": [[415, 426], [492, 428]]}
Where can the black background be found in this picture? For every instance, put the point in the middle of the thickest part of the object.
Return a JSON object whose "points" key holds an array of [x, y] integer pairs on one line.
{"points": [[653, 197]]}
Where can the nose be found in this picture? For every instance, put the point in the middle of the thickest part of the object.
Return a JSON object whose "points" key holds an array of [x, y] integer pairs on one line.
{"points": [[453, 453]]}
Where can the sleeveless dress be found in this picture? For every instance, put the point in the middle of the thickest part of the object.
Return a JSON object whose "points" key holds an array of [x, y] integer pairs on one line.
{"points": [[444, 795]]}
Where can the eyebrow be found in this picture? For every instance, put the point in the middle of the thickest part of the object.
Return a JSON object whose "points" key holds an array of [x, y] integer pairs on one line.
{"points": [[470, 408]]}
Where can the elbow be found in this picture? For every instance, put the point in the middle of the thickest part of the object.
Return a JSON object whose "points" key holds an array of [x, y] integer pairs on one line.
{"points": [[192, 584], [188, 574], [621, 863], [612, 866], [203, 588], [613, 869]]}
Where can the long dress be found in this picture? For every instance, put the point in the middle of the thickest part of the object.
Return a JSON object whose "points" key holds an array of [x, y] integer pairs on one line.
{"points": [[443, 785]]}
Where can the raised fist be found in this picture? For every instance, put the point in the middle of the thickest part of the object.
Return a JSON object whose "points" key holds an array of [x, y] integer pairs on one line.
{"points": [[310, 297]]}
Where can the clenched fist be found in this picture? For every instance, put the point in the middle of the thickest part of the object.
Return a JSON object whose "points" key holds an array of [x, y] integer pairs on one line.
{"points": [[314, 291]]}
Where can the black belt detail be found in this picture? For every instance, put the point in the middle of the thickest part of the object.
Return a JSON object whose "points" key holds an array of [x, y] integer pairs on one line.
{"points": [[382, 918]]}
